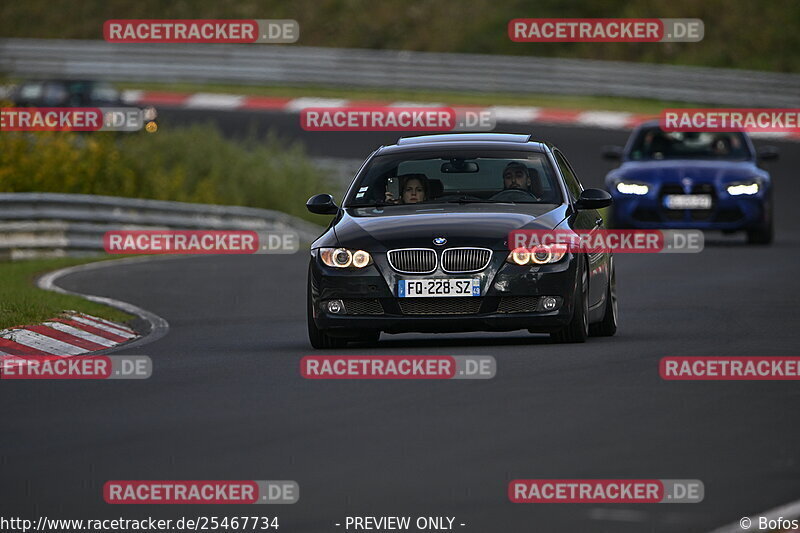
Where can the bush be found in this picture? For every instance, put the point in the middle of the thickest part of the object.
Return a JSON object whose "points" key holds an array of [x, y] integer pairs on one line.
{"points": [[193, 164]]}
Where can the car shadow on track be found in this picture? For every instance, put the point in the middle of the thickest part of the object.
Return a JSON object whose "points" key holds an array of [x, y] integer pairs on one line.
{"points": [[391, 342]]}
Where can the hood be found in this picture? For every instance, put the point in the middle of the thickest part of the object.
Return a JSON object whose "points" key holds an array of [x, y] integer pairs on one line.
{"points": [[481, 225], [675, 171]]}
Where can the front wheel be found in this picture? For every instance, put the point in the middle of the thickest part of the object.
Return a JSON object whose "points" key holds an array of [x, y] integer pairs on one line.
{"points": [[764, 234], [578, 328], [608, 326]]}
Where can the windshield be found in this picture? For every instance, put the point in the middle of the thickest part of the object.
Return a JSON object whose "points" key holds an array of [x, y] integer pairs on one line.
{"points": [[653, 143], [103, 92], [456, 177]]}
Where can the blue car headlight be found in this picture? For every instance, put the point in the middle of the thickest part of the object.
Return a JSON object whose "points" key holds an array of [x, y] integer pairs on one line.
{"points": [[740, 188], [633, 187]]}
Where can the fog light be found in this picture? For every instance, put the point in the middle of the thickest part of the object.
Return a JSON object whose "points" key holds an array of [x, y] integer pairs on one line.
{"points": [[549, 303], [336, 307]]}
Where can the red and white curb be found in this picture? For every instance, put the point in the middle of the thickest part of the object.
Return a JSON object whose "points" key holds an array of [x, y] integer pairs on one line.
{"points": [[617, 120], [67, 335]]}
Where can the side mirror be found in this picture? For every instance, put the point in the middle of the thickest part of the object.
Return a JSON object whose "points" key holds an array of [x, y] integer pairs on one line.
{"points": [[612, 152], [768, 153], [593, 199], [322, 204]]}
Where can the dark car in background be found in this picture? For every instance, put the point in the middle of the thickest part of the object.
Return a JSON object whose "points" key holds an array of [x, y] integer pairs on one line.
{"points": [[420, 244], [65, 93], [680, 180]]}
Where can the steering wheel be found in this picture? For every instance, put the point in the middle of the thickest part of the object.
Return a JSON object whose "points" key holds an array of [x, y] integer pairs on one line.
{"points": [[511, 194]]}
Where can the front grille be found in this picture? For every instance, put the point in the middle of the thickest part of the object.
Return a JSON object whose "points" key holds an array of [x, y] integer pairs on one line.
{"points": [[667, 189], [704, 214], [455, 260], [466, 305], [646, 215], [518, 304], [413, 260], [363, 306], [693, 214]]}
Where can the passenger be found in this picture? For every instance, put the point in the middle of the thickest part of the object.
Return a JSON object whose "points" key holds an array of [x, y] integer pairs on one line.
{"points": [[413, 189], [721, 146]]}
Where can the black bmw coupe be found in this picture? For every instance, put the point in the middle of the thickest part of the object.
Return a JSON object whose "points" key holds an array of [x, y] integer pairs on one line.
{"points": [[420, 244]]}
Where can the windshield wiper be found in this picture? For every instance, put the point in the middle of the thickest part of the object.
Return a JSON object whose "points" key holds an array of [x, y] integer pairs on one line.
{"points": [[467, 200], [379, 203]]}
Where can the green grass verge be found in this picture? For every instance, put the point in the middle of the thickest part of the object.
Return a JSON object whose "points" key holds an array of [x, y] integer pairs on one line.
{"points": [[447, 97], [22, 303]]}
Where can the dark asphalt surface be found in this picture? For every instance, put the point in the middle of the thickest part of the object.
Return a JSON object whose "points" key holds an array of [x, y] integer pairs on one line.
{"points": [[226, 400]]}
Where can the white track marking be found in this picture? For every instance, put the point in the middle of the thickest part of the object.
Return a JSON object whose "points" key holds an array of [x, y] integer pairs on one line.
{"points": [[75, 332], [214, 101], [43, 343], [298, 104]]}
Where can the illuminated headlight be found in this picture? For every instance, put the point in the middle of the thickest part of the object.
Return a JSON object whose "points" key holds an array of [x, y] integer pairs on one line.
{"points": [[627, 187], [737, 189], [344, 258], [539, 255]]}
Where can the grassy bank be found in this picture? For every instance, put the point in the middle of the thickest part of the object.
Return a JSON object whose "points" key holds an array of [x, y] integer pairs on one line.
{"points": [[738, 33], [22, 303], [192, 164]]}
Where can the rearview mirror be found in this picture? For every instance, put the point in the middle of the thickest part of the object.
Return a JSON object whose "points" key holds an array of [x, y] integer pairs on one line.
{"points": [[459, 166], [593, 199], [322, 204], [612, 152], [767, 153]]}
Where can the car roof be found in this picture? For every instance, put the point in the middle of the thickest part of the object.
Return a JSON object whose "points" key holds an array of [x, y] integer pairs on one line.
{"points": [[62, 81], [445, 141]]}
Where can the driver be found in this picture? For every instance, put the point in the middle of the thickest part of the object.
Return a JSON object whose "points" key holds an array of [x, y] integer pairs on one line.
{"points": [[516, 176]]}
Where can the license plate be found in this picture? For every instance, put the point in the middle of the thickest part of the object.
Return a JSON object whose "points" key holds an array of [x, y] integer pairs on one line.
{"points": [[434, 288], [688, 201]]}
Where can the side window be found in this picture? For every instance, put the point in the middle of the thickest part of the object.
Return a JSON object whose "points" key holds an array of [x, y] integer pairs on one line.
{"points": [[573, 185]]}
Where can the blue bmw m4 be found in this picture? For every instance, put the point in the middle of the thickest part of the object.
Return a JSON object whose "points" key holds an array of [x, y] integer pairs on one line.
{"points": [[705, 180]]}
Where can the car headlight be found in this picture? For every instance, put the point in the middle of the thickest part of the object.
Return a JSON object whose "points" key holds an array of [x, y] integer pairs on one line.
{"points": [[630, 187], [743, 187], [542, 254], [345, 258]]}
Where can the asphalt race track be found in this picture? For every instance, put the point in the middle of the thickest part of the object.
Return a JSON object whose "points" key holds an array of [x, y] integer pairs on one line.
{"points": [[226, 400]]}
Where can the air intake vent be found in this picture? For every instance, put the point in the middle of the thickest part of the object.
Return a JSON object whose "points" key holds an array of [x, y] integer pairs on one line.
{"points": [[440, 306], [518, 304], [363, 306]]}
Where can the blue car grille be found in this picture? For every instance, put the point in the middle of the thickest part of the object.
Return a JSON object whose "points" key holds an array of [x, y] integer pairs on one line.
{"points": [[682, 214]]}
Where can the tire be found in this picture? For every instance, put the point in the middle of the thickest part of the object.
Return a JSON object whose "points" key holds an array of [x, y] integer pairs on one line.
{"points": [[608, 326], [318, 338], [764, 234], [578, 328]]}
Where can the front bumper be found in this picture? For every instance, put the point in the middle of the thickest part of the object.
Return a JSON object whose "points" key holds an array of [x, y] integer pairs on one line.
{"points": [[728, 213], [511, 297]]}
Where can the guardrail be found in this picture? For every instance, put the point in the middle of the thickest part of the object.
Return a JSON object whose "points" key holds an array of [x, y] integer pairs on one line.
{"points": [[51, 224], [298, 65]]}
